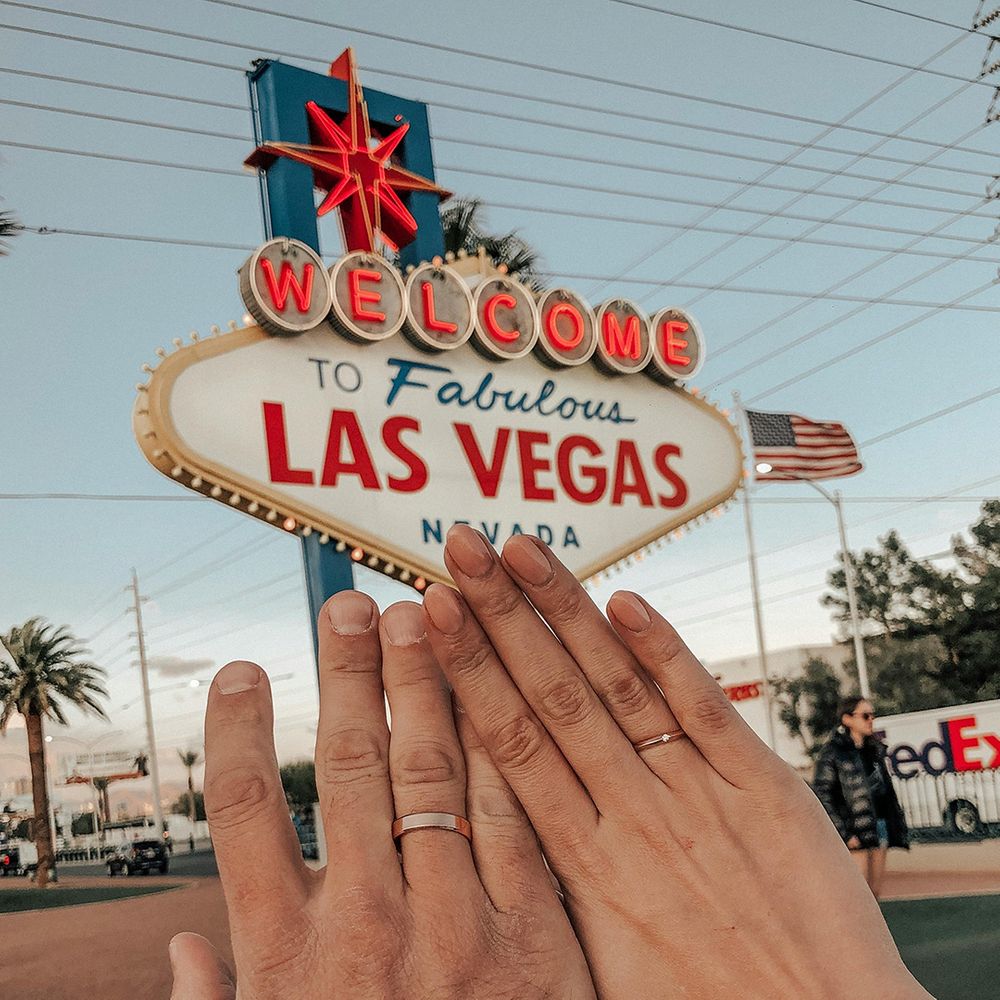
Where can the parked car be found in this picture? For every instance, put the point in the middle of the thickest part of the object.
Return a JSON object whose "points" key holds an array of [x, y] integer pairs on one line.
{"points": [[19, 858], [139, 857]]}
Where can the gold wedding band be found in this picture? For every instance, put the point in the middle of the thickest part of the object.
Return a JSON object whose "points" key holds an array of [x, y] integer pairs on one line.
{"points": [[677, 734], [431, 821]]}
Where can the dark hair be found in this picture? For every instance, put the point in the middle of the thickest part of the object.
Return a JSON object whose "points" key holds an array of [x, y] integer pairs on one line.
{"points": [[848, 706]]}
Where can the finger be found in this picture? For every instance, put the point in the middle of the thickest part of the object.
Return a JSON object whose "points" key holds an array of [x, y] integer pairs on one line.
{"points": [[704, 712], [559, 807], [550, 680], [198, 969], [506, 851], [245, 803], [634, 702], [352, 744], [425, 757]]}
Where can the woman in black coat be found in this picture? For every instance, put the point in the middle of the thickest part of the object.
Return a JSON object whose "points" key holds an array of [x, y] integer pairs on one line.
{"points": [[852, 781]]}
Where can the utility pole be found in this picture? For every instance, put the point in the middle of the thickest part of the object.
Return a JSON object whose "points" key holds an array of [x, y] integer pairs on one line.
{"points": [[154, 766]]}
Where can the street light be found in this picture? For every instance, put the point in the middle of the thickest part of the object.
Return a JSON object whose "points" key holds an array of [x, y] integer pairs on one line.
{"points": [[852, 602]]}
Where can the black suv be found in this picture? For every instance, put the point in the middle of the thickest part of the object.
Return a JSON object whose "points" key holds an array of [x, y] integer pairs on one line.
{"points": [[140, 856]]}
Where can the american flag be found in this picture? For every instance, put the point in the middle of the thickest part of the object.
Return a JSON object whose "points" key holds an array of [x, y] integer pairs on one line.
{"points": [[797, 448]]}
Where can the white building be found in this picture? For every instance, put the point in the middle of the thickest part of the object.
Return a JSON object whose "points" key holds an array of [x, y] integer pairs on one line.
{"points": [[741, 678]]}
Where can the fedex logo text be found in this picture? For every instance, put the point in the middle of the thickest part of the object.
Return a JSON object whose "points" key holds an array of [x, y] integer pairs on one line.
{"points": [[959, 749]]}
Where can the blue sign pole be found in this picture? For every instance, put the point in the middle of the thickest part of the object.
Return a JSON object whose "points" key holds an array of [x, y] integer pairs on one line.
{"points": [[278, 95]]}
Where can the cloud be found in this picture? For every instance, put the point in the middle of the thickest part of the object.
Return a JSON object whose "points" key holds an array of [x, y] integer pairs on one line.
{"points": [[176, 666]]}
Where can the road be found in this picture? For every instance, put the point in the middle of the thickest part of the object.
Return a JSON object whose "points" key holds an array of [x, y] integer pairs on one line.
{"points": [[202, 862]]}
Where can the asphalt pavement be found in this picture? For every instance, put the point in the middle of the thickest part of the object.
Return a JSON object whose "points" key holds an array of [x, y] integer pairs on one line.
{"points": [[182, 862]]}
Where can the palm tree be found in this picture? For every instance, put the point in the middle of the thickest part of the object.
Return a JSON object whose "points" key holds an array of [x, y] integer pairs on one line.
{"points": [[9, 226], [189, 758], [461, 221], [48, 671], [101, 787]]}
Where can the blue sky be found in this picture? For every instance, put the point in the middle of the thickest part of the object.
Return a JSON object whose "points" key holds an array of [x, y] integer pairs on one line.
{"points": [[83, 313]]}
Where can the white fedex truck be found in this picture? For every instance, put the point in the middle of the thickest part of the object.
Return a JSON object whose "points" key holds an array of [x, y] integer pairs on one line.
{"points": [[945, 765]]}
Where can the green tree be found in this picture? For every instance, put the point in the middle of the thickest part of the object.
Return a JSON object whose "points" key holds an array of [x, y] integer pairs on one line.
{"points": [[182, 805], [462, 223], [49, 672], [298, 779], [932, 635], [807, 703]]}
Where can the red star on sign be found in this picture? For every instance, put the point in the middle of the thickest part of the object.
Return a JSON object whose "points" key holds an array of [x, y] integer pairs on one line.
{"points": [[354, 168]]}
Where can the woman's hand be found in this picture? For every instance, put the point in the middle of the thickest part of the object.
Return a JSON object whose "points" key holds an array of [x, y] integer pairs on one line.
{"points": [[452, 919], [699, 868]]}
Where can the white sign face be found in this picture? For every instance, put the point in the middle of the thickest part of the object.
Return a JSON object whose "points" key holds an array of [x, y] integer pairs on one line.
{"points": [[103, 764], [382, 446]]}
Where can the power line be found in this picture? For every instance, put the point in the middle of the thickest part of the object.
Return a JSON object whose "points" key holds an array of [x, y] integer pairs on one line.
{"points": [[197, 547], [763, 214], [116, 595], [822, 328], [562, 156], [533, 209], [575, 74], [704, 217], [869, 198], [708, 151], [464, 85], [881, 338], [114, 621], [739, 290], [773, 599], [936, 415], [97, 496], [119, 88], [235, 555], [877, 500], [504, 147], [908, 250], [165, 241], [117, 158], [922, 17], [784, 547], [787, 39], [583, 130], [175, 631], [589, 131], [200, 626], [766, 214]]}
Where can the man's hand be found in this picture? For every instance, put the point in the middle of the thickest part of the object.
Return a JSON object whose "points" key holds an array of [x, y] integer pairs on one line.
{"points": [[445, 919]]}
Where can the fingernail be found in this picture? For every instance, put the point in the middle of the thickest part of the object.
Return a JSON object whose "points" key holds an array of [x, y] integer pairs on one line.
{"points": [[172, 952], [527, 560], [238, 676], [351, 613], [444, 609], [403, 624], [469, 550], [630, 611]]}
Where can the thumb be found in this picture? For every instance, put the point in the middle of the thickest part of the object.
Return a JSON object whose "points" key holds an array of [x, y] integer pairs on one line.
{"points": [[199, 971]]}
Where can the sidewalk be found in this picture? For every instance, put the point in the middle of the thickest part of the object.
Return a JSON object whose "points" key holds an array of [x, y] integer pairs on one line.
{"points": [[935, 870]]}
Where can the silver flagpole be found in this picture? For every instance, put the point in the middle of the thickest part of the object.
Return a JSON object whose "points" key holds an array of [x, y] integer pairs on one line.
{"points": [[754, 582], [852, 602]]}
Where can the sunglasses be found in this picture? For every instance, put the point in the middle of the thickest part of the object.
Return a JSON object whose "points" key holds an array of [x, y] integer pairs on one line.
{"points": [[867, 716]]}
